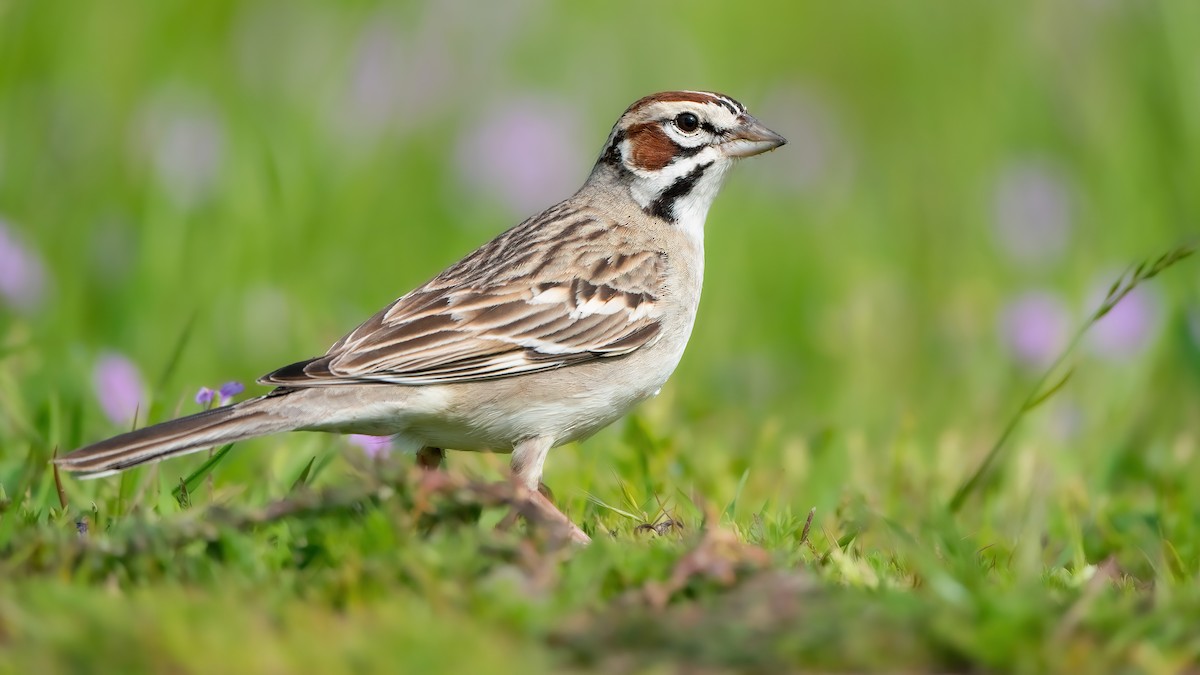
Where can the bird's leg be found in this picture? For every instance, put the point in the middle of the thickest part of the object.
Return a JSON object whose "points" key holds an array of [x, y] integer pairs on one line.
{"points": [[528, 457], [430, 458], [550, 512], [509, 520]]}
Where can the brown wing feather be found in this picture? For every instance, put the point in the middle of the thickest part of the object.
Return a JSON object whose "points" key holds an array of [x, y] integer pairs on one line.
{"points": [[548, 293]]}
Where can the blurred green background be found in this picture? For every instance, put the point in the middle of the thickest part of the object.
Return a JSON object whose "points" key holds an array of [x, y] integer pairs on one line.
{"points": [[963, 183]]}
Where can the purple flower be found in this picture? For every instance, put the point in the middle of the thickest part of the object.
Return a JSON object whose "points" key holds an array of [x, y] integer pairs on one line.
{"points": [[205, 396], [525, 152], [184, 141], [224, 394], [376, 84], [373, 446], [22, 276], [1035, 328], [1032, 211], [1128, 328], [398, 77], [229, 390], [118, 386]]}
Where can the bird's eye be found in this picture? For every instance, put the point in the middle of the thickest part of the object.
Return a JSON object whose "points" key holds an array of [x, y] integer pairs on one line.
{"points": [[687, 122]]}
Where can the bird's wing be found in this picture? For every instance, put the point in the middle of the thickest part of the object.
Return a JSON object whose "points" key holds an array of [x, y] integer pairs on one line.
{"points": [[534, 299]]}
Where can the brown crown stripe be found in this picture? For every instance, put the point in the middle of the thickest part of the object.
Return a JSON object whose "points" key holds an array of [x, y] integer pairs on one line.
{"points": [[689, 96]]}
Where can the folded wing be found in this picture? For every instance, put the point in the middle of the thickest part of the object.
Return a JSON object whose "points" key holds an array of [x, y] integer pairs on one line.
{"points": [[521, 304]]}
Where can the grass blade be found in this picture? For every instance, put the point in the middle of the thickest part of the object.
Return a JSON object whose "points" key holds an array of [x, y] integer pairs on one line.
{"points": [[729, 510], [302, 479], [604, 505], [177, 352], [1040, 391], [188, 485], [58, 484], [1050, 391]]}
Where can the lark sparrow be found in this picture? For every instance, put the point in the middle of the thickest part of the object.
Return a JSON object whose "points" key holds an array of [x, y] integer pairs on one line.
{"points": [[542, 336]]}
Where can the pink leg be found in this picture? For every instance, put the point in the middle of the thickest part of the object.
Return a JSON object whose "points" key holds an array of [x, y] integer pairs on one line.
{"points": [[527, 460]]}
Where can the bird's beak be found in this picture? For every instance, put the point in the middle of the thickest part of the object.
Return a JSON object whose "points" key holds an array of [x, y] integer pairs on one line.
{"points": [[751, 138]]}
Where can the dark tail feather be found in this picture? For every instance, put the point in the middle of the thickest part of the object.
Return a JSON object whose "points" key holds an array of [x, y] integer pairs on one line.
{"points": [[256, 417]]}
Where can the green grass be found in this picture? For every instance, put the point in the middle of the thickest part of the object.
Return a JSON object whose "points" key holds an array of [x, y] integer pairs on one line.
{"points": [[849, 358]]}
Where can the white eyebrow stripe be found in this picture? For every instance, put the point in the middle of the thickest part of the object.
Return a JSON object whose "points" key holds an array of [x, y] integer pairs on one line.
{"points": [[729, 104]]}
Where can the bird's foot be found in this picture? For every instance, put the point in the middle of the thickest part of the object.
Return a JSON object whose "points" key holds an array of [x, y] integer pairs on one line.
{"points": [[538, 508]]}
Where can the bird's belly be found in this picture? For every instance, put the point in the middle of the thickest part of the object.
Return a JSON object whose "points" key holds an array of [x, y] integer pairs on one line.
{"points": [[567, 405], [498, 424]]}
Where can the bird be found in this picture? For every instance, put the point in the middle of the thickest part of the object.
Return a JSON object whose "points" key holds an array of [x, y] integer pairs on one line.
{"points": [[540, 337]]}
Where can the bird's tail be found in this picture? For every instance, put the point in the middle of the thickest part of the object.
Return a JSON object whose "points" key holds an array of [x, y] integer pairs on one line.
{"points": [[255, 417]]}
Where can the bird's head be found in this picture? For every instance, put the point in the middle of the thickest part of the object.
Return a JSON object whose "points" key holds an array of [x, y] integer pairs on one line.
{"points": [[673, 149]]}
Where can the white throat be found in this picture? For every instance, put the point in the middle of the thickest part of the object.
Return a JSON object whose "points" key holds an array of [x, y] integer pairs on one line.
{"points": [[691, 210], [659, 190]]}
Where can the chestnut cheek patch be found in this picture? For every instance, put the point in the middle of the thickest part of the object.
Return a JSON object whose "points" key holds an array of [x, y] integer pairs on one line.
{"points": [[650, 147]]}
